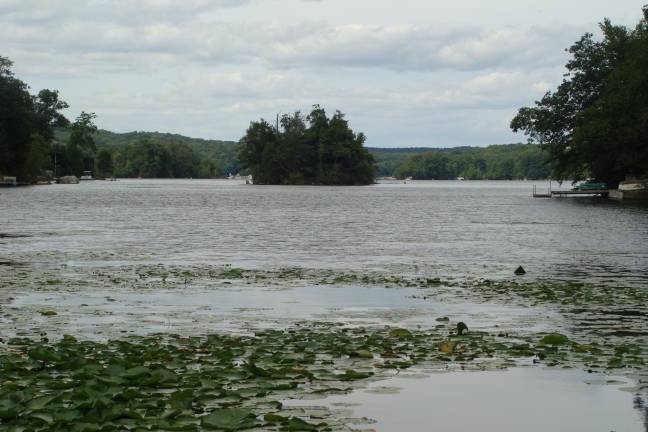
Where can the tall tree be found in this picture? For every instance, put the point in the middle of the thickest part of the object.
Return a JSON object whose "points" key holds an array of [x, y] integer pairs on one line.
{"points": [[81, 144], [26, 125], [596, 122]]}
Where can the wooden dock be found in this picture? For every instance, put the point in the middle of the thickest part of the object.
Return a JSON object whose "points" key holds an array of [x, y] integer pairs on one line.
{"points": [[564, 193], [592, 192]]}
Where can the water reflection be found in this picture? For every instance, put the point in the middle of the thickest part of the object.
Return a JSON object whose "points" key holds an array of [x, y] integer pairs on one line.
{"points": [[523, 399]]}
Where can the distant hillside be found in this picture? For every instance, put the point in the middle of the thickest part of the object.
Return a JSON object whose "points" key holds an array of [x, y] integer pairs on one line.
{"points": [[495, 162], [216, 158], [388, 159]]}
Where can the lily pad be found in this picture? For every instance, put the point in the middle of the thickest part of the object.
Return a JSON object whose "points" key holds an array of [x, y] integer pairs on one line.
{"points": [[554, 339], [229, 419]]}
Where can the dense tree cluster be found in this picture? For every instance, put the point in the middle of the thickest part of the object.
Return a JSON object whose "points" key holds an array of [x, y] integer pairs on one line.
{"points": [[314, 149], [497, 162], [26, 125], [595, 125], [151, 159]]}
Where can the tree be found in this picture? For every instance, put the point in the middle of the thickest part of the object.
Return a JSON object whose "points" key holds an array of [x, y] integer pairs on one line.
{"points": [[104, 163], [26, 125], [312, 149], [429, 165], [81, 144], [596, 122]]}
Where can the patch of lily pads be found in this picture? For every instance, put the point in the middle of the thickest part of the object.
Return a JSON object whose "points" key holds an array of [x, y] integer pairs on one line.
{"points": [[227, 382]]}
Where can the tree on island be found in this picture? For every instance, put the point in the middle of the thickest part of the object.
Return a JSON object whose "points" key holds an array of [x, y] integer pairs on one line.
{"points": [[307, 150], [595, 125]]}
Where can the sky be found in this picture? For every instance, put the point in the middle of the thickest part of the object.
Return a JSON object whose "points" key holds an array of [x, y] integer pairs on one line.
{"points": [[407, 73]]}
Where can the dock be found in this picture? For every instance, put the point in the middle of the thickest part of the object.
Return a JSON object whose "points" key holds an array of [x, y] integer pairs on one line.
{"points": [[564, 193], [593, 192]]}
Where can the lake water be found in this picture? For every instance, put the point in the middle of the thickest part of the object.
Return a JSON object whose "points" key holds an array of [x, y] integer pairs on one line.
{"points": [[84, 235], [446, 227], [522, 399]]}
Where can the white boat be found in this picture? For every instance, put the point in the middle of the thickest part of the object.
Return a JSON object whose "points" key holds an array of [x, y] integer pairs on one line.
{"points": [[87, 175]]}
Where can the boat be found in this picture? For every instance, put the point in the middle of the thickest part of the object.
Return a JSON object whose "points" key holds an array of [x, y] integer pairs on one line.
{"points": [[8, 181], [634, 185], [590, 185], [87, 175]]}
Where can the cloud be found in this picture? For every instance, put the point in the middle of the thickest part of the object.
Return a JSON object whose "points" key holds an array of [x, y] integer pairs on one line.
{"points": [[207, 67], [40, 11], [406, 48], [191, 31]]}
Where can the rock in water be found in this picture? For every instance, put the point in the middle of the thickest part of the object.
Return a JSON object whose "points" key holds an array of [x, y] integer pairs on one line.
{"points": [[68, 180], [461, 328], [520, 271]]}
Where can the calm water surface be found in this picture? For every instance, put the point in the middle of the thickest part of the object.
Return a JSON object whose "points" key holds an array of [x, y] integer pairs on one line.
{"points": [[480, 228]]}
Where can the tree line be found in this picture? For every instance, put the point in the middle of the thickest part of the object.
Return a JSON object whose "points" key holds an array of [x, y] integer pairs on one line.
{"points": [[153, 155], [38, 141], [496, 162]]}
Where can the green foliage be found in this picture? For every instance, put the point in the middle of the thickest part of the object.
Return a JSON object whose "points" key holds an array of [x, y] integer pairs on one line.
{"points": [[153, 154], [596, 122], [26, 125], [236, 382], [104, 163], [496, 162], [388, 159], [554, 339], [306, 150], [229, 419]]}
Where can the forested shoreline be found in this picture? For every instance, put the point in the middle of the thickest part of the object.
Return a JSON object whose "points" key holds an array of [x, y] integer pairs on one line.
{"points": [[160, 155], [39, 143]]}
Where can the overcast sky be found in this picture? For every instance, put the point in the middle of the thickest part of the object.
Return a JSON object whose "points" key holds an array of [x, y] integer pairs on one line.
{"points": [[406, 72]]}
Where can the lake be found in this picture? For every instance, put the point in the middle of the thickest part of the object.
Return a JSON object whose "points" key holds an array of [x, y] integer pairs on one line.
{"points": [[136, 257], [448, 227]]}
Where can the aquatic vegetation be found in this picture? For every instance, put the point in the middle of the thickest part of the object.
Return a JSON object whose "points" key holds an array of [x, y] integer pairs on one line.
{"points": [[230, 382]]}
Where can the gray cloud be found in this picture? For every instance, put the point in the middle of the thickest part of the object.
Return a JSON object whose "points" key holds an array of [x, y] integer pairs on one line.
{"points": [[208, 67], [100, 33]]}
